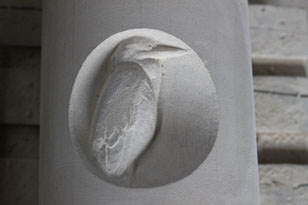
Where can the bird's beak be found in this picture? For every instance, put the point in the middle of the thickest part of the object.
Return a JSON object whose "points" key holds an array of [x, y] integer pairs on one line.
{"points": [[163, 47], [162, 51]]}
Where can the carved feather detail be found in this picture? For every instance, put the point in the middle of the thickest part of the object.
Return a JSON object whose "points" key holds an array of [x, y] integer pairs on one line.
{"points": [[126, 111]]}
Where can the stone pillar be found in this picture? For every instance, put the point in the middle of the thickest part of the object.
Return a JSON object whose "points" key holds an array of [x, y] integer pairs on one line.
{"points": [[211, 142]]}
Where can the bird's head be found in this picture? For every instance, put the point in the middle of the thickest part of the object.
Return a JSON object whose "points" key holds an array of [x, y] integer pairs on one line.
{"points": [[138, 48]]}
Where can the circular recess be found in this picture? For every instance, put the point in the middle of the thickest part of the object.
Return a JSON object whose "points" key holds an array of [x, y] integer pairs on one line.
{"points": [[143, 110]]}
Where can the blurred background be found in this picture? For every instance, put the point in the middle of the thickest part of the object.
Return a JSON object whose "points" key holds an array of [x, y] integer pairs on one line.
{"points": [[279, 57]]}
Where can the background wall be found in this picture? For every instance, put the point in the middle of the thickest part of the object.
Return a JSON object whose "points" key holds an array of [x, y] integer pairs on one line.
{"points": [[279, 48], [279, 52], [20, 28]]}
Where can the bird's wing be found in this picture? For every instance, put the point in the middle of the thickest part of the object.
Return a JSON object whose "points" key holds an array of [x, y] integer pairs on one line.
{"points": [[125, 120]]}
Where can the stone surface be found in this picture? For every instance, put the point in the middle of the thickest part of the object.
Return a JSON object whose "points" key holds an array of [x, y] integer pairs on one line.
{"points": [[19, 85], [281, 104], [19, 164], [20, 27], [278, 40], [221, 41], [18, 4], [283, 3], [289, 86], [281, 107], [282, 147], [137, 78], [18, 181], [19, 141], [278, 31], [283, 184]]}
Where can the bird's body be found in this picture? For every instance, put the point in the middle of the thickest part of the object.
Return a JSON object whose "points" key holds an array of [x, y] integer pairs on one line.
{"points": [[126, 111]]}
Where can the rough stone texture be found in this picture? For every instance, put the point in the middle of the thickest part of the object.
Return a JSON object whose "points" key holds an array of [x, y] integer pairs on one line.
{"points": [[293, 86], [12, 57], [20, 27], [19, 85], [19, 141], [19, 101], [278, 31], [21, 4], [281, 104], [282, 147], [284, 3], [280, 113], [18, 181], [19, 164], [279, 40], [283, 184]]}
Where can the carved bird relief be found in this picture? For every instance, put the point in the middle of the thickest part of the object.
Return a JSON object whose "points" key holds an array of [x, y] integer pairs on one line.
{"points": [[143, 111], [126, 111]]}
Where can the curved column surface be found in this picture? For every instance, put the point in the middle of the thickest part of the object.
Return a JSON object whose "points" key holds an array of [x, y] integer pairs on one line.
{"points": [[147, 102]]}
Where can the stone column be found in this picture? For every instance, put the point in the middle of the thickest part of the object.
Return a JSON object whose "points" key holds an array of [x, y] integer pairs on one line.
{"points": [[201, 146]]}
